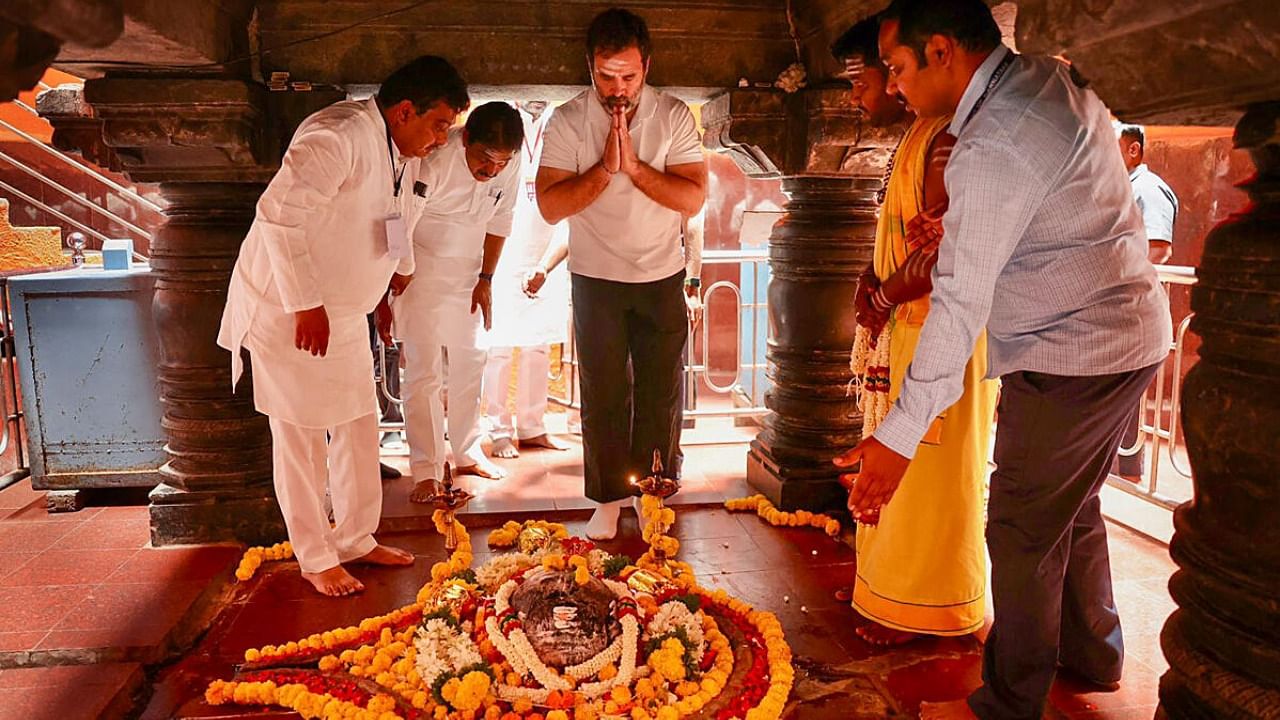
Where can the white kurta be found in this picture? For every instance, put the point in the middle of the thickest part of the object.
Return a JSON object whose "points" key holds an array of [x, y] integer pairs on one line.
{"points": [[519, 320], [318, 239], [448, 244]]}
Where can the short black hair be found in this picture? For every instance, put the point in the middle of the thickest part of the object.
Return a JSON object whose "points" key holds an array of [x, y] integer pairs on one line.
{"points": [[861, 40], [615, 30], [969, 22], [1134, 133], [497, 125], [424, 82]]}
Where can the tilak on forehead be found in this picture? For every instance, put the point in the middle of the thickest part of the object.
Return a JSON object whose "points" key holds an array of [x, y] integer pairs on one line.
{"points": [[616, 65]]}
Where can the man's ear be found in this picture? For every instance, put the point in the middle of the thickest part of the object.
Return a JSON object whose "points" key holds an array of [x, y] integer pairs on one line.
{"points": [[940, 50]]}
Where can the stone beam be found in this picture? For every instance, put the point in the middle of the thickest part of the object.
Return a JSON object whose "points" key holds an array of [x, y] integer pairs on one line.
{"points": [[525, 42], [1214, 57], [32, 32], [160, 33]]}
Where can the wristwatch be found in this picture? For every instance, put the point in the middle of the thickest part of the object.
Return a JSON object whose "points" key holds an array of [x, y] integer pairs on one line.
{"points": [[693, 282]]}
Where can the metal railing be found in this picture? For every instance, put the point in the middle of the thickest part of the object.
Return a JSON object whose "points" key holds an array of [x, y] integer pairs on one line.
{"points": [[698, 373], [80, 168], [1153, 432]]}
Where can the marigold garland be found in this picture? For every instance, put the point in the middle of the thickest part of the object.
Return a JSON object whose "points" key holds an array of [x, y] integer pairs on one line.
{"points": [[670, 683], [255, 556], [761, 506]]}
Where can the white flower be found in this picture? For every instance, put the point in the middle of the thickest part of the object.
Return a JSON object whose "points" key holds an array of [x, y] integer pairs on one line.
{"points": [[672, 616]]}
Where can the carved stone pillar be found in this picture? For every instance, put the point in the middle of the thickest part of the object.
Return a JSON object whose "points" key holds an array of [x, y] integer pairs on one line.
{"points": [[1223, 641], [831, 171]]}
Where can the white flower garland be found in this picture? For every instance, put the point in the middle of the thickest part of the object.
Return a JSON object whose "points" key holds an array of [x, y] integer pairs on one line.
{"points": [[673, 615], [442, 648], [498, 569]]}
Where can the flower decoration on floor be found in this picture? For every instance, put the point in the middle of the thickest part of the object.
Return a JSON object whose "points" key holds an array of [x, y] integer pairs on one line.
{"points": [[255, 556], [761, 506], [555, 629]]}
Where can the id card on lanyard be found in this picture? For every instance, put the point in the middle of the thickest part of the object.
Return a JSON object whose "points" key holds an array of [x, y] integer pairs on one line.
{"points": [[397, 232]]}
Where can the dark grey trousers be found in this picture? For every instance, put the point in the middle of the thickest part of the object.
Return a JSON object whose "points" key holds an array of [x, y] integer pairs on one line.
{"points": [[626, 416], [1050, 570]]}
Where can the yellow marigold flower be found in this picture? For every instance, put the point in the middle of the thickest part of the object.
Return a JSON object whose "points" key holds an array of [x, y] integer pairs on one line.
{"points": [[581, 576], [522, 705], [639, 713], [667, 712], [620, 694], [553, 561], [329, 663], [441, 713], [610, 707], [252, 655], [557, 715], [585, 712]]}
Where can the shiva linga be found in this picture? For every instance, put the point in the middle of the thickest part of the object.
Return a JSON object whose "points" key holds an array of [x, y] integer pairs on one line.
{"points": [[449, 500]]}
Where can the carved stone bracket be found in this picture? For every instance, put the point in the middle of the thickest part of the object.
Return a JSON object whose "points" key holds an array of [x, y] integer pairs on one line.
{"points": [[831, 169], [1223, 641]]}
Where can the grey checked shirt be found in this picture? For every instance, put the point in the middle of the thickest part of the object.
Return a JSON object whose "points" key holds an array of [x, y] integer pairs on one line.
{"points": [[1043, 246]]}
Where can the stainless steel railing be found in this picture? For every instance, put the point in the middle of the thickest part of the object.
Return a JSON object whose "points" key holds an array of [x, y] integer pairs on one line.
{"points": [[699, 375], [1154, 433]]}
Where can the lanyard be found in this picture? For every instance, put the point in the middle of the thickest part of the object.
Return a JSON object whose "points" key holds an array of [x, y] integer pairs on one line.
{"points": [[532, 152], [995, 80], [396, 178]]}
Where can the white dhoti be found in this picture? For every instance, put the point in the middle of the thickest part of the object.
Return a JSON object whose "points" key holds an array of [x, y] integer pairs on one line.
{"points": [[433, 317], [532, 370]]}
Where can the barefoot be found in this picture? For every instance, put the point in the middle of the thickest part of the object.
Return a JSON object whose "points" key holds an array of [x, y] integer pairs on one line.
{"points": [[543, 441], [422, 491], [882, 636], [481, 468], [334, 582], [952, 710], [505, 449], [385, 555], [603, 524], [844, 594]]}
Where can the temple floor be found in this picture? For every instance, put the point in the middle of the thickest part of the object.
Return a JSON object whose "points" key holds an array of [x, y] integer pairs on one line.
{"points": [[95, 623]]}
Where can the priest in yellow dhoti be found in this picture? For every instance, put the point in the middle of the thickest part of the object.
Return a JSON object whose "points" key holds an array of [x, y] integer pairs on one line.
{"points": [[921, 564]]}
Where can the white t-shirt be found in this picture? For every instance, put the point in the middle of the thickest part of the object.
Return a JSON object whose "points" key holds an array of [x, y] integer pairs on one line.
{"points": [[1157, 202], [623, 235]]}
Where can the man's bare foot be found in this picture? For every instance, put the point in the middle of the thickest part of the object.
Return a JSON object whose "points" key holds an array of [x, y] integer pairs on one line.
{"points": [[543, 441], [385, 555], [481, 468], [334, 582], [422, 491], [505, 449], [953, 710], [877, 634]]}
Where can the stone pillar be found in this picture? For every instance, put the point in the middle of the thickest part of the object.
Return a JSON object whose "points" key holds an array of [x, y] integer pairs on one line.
{"points": [[217, 483], [1223, 641], [831, 170], [212, 144]]}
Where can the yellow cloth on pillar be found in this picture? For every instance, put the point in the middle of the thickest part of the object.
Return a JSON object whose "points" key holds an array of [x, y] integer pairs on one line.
{"points": [[923, 567]]}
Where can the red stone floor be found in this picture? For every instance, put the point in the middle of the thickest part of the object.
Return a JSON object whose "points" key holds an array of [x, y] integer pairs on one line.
{"points": [[96, 624]]}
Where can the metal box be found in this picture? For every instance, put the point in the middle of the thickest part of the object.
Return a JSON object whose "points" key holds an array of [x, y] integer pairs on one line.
{"points": [[87, 362]]}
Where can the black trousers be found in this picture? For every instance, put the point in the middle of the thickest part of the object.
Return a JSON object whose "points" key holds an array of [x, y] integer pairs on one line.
{"points": [[1050, 570], [626, 416]]}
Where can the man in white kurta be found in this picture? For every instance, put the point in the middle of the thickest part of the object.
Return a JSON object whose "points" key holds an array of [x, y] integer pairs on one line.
{"points": [[329, 233], [525, 325], [472, 184]]}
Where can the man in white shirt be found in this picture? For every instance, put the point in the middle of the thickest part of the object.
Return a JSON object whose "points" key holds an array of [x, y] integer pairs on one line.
{"points": [[1159, 206], [623, 163], [527, 323], [470, 189], [1044, 248], [1156, 200], [329, 237]]}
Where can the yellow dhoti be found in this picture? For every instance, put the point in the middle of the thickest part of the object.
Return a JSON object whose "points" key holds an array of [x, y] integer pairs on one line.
{"points": [[923, 567]]}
